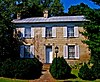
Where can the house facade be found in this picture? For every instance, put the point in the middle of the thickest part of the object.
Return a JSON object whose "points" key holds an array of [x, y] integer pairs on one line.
{"points": [[40, 36]]}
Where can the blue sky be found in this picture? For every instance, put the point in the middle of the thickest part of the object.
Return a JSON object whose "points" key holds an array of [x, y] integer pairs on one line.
{"points": [[68, 3]]}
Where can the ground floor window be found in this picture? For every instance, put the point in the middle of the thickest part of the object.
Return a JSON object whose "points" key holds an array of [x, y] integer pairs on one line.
{"points": [[26, 51], [71, 51]]}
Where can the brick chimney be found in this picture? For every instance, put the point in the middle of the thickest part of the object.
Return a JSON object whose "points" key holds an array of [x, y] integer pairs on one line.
{"points": [[18, 15], [45, 13]]}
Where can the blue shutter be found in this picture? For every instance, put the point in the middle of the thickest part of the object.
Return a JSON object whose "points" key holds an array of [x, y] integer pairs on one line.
{"points": [[22, 32], [22, 51]]}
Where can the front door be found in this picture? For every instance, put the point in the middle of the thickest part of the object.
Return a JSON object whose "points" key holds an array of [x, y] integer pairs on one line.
{"points": [[49, 55]]}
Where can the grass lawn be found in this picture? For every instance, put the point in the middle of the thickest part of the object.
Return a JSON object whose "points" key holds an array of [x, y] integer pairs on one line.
{"points": [[75, 72], [11, 80]]}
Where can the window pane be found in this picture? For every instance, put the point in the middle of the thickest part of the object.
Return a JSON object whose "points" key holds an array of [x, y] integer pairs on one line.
{"points": [[27, 32], [27, 51], [71, 52], [49, 32], [70, 31]]}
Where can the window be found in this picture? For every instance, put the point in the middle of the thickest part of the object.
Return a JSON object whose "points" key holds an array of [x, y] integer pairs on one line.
{"points": [[27, 32], [70, 31], [71, 51], [26, 51], [49, 32]]}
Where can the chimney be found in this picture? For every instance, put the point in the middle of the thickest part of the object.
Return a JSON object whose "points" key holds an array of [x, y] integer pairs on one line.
{"points": [[18, 15], [45, 13]]}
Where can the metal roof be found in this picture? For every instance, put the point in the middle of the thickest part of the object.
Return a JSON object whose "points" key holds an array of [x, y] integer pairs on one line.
{"points": [[50, 19]]}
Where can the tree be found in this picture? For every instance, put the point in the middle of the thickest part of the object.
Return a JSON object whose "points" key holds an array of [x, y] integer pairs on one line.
{"points": [[7, 42], [92, 27], [46, 3], [96, 1], [30, 8], [80, 9], [56, 8], [92, 32], [60, 69]]}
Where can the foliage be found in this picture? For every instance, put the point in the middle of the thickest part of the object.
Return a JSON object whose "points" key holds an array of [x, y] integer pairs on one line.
{"points": [[7, 42], [7, 69], [21, 68], [28, 7], [91, 27], [62, 71], [85, 73], [92, 32], [96, 69], [80, 9], [96, 1], [56, 8]]}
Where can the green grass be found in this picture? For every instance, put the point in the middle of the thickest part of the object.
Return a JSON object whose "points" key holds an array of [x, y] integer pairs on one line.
{"points": [[11, 80], [75, 72]]}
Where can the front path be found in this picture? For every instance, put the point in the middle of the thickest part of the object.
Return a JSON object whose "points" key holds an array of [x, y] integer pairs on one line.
{"points": [[46, 77]]}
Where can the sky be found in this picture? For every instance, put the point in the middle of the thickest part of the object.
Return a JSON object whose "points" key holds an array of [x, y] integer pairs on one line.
{"points": [[68, 3]]}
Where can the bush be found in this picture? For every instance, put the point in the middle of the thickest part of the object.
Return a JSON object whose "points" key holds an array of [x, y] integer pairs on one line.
{"points": [[96, 69], [21, 68], [28, 68], [85, 73], [62, 71], [7, 69]]}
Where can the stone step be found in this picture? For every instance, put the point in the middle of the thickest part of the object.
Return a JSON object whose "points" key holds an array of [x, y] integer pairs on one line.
{"points": [[46, 66]]}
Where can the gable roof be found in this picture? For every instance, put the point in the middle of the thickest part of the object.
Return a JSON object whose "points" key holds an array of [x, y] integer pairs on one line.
{"points": [[50, 19]]}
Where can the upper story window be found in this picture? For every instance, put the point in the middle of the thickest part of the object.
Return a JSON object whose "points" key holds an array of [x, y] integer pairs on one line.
{"points": [[27, 32], [70, 30], [48, 31]]}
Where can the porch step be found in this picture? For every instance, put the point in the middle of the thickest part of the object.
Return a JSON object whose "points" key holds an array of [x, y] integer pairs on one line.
{"points": [[46, 66]]}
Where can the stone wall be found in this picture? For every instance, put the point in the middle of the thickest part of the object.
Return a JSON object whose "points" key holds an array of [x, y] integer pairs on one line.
{"points": [[40, 42]]}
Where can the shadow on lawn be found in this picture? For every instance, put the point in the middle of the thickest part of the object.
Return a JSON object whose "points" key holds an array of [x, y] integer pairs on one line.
{"points": [[71, 76]]}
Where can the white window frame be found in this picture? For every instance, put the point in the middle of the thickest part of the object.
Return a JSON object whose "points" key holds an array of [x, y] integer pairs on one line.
{"points": [[66, 52]]}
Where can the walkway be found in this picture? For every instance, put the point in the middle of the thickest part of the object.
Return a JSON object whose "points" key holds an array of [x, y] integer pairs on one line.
{"points": [[46, 77]]}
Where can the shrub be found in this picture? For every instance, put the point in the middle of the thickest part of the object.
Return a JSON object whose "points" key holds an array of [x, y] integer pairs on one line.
{"points": [[96, 69], [28, 68], [85, 73], [62, 71], [7, 68], [21, 68]]}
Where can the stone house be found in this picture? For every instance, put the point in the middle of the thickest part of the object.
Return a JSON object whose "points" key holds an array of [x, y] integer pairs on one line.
{"points": [[42, 34]]}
